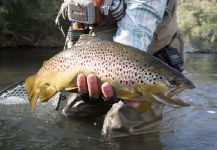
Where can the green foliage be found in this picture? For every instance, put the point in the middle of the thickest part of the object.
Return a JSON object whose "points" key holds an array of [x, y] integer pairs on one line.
{"points": [[197, 19], [3, 21], [28, 13], [33, 19]]}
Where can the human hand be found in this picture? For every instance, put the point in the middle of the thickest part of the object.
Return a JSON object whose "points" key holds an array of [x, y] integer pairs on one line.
{"points": [[90, 85]]}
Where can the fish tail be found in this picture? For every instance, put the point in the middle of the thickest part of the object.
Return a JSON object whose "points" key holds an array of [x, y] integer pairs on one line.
{"points": [[32, 93], [29, 82], [33, 101]]}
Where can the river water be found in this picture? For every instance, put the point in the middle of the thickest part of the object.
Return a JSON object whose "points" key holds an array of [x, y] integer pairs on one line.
{"points": [[191, 128]]}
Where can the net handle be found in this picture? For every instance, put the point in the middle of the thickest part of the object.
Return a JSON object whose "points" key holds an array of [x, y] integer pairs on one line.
{"points": [[11, 86]]}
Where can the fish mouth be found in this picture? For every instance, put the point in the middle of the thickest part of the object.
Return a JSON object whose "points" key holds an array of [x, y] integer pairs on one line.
{"points": [[178, 102], [174, 100], [177, 89], [189, 85]]}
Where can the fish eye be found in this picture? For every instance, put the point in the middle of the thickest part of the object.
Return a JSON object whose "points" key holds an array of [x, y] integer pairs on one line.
{"points": [[174, 81]]}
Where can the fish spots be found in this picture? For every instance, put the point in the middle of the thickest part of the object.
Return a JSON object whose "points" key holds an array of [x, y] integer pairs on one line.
{"points": [[150, 77], [109, 60]]}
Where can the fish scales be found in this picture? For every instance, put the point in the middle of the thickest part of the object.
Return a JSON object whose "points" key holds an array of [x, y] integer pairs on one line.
{"points": [[134, 74], [109, 61]]}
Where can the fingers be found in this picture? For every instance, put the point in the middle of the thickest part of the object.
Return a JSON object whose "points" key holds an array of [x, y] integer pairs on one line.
{"points": [[82, 83], [90, 84], [107, 91], [93, 87]]}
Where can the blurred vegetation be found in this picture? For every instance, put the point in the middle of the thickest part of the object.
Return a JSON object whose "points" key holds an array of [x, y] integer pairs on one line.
{"points": [[29, 23], [197, 20]]}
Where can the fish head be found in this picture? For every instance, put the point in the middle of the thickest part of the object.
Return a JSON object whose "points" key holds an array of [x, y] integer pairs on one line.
{"points": [[176, 81], [164, 84], [39, 87]]}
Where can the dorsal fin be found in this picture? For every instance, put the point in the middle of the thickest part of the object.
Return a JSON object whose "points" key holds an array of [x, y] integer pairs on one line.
{"points": [[87, 38]]}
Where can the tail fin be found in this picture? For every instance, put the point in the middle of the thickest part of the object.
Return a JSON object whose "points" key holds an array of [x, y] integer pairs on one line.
{"points": [[33, 100], [29, 83], [32, 94]]}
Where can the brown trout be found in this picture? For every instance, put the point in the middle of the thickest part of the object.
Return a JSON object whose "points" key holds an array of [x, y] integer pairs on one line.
{"points": [[134, 75]]}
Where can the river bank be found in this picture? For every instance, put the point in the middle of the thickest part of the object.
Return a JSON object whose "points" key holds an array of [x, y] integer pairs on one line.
{"points": [[197, 21], [32, 23]]}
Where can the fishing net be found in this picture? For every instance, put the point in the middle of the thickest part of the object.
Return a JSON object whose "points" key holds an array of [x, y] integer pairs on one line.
{"points": [[14, 94], [14, 99]]}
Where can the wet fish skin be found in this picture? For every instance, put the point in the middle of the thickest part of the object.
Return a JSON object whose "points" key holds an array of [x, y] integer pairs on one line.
{"points": [[134, 75]]}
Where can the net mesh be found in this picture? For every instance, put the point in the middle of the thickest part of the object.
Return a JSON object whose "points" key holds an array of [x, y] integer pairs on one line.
{"points": [[14, 99], [15, 94]]}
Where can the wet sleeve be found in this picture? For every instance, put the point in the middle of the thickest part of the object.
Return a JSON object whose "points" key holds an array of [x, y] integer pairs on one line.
{"points": [[82, 107], [137, 27], [123, 120]]}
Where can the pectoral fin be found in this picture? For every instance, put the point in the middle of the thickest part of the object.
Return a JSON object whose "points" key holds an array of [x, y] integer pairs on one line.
{"points": [[126, 93], [46, 92], [132, 94], [72, 89]]}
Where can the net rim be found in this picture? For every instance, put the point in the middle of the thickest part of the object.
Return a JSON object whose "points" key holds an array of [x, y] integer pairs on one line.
{"points": [[11, 86]]}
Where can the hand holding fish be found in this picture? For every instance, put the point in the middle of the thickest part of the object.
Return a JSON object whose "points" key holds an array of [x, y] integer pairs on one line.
{"points": [[90, 85]]}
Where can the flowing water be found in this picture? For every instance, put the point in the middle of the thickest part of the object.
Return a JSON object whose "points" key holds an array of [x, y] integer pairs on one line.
{"points": [[192, 128]]}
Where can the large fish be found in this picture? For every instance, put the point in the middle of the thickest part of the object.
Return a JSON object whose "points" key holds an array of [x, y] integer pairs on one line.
{"points": [[134, 75]]}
